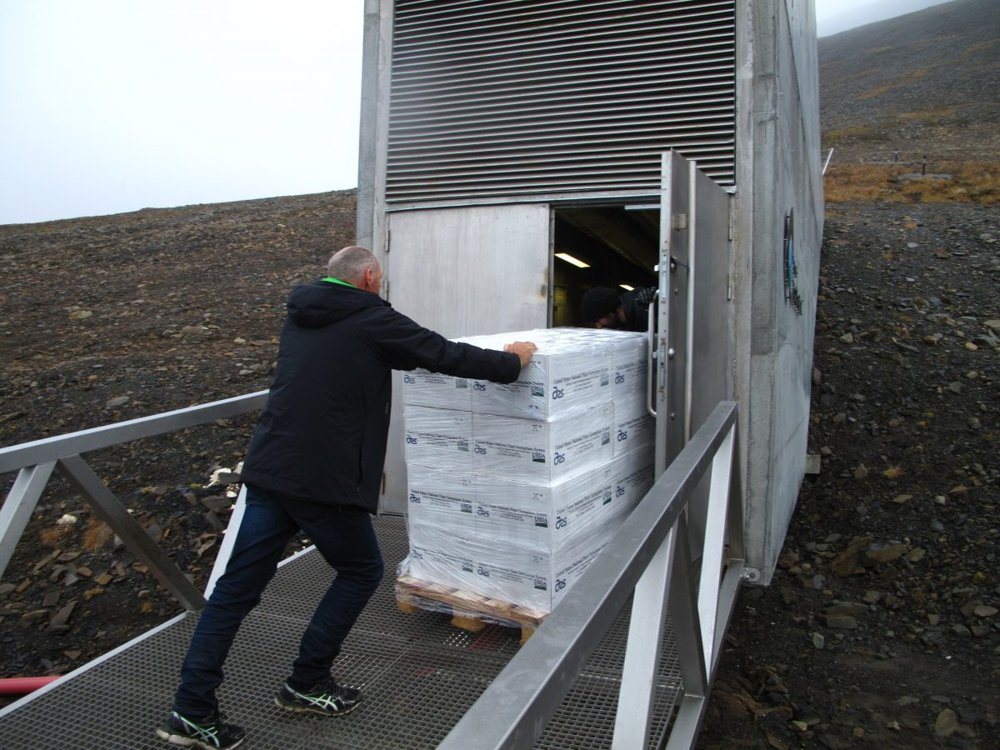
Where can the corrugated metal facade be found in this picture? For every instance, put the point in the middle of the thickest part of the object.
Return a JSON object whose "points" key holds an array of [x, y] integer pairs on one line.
{"points": [[494, 98]]}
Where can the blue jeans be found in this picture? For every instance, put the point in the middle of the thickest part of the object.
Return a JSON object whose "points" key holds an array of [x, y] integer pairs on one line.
{"points": [[345, 539]]}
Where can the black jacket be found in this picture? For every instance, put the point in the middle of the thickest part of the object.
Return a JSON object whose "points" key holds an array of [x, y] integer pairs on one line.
{"points": [[636, 306], [323, 432]]}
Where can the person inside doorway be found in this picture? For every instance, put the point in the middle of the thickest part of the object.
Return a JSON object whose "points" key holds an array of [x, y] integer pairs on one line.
{"points": [[604, 307]]}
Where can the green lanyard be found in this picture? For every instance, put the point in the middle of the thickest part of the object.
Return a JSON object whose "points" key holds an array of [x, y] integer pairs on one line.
{"points": [[332, 280]]}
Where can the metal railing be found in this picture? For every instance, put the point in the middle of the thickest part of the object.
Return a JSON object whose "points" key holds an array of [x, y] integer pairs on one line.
{"points": [[649, 560], [649, 556], [35, 462]]}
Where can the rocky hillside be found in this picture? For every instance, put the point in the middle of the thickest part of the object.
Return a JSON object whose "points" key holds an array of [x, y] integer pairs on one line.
{"points": [[923, 83]]}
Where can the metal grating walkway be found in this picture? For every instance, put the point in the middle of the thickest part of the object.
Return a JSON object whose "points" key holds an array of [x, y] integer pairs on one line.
{"points": [[419, 675]]}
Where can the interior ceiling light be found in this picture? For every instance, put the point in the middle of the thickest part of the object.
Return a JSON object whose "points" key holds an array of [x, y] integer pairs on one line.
{"points": [[574, 261], [627, 287]]}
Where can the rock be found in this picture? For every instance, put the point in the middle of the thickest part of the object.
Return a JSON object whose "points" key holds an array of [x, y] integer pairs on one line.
{"points": [[216, 502], [946, 723], [224, 476], [58, 622], [984, 610], [854, 609], [818, 641], [861, 472], [116, 402], [840, 621], [883, 553], [813, 464], [848, 561]]}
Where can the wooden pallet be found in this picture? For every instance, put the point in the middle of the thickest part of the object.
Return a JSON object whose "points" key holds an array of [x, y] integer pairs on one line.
{"points": [[469, 611]]}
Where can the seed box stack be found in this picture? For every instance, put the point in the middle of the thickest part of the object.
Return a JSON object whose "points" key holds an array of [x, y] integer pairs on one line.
{"points": [[514, 489]]}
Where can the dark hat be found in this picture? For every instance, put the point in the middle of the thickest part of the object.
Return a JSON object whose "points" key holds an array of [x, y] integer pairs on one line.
{"points": [[597, 303]]}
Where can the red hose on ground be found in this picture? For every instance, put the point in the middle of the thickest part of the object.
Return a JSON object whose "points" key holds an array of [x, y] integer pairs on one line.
{"points": [[23, 685]]}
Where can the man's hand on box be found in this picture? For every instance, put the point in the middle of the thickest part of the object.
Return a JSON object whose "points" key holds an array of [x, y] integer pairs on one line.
{"points": [[523, 349]]}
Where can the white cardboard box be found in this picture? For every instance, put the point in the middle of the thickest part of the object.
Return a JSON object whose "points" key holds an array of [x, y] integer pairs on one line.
{"points": [[438, 437], [525, 448], [634, 427], [499, 513], [532, 579], [520, 542], [423, 388], [573, 369]]}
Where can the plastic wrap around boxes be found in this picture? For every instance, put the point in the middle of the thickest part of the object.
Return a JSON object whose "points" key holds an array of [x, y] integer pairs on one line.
{"points": [[514, 489]]}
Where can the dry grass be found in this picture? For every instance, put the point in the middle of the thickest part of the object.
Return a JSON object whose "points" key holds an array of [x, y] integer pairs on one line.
{"points": [[836, 136], [945, 182], [906, 80], [928, 116], [975, 49]]}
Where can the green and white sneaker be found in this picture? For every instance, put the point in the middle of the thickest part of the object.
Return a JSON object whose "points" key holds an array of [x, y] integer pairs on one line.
{"points": [[325, 698], [212, 733]]}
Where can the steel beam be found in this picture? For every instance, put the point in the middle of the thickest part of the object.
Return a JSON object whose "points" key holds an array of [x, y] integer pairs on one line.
{"points": [[110, 510], [19, 505]]}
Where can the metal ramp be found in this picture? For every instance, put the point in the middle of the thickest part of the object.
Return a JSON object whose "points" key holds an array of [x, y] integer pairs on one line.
{"points": [[427, 684], [420, 676]]}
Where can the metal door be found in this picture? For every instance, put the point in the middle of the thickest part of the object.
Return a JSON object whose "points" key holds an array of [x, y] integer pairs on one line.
{"points": [[693, 343], [463, 271]]}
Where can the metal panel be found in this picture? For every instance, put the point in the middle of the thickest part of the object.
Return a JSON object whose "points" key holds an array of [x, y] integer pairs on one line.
{"points": [[506, 97], [695, 373], [464, 271], [710, 332]]}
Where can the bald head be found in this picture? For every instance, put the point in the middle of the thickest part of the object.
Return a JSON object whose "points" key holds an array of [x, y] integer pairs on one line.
{"points": [[357, 266]]}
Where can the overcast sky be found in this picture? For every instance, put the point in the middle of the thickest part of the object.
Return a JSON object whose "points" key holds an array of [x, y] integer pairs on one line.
{"points": [[109, 106]]}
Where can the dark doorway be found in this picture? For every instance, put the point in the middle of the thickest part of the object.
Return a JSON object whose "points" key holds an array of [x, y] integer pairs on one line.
{"points": [[619, 245]]}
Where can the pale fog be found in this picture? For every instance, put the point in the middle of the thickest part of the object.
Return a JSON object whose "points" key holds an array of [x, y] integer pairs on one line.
{"points": [[112, 106]]}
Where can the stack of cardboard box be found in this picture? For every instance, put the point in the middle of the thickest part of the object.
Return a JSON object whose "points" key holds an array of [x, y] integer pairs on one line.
{"points": [[514, 489]]}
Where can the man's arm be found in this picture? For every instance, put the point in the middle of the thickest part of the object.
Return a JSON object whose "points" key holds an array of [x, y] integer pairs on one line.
{"points": [[406, 345]]}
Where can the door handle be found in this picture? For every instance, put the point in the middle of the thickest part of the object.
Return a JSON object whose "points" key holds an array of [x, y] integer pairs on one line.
{"points": [[650, 357]]}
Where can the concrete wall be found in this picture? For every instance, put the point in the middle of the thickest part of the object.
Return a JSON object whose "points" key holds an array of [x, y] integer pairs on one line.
{"points": [[779, 173]]}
